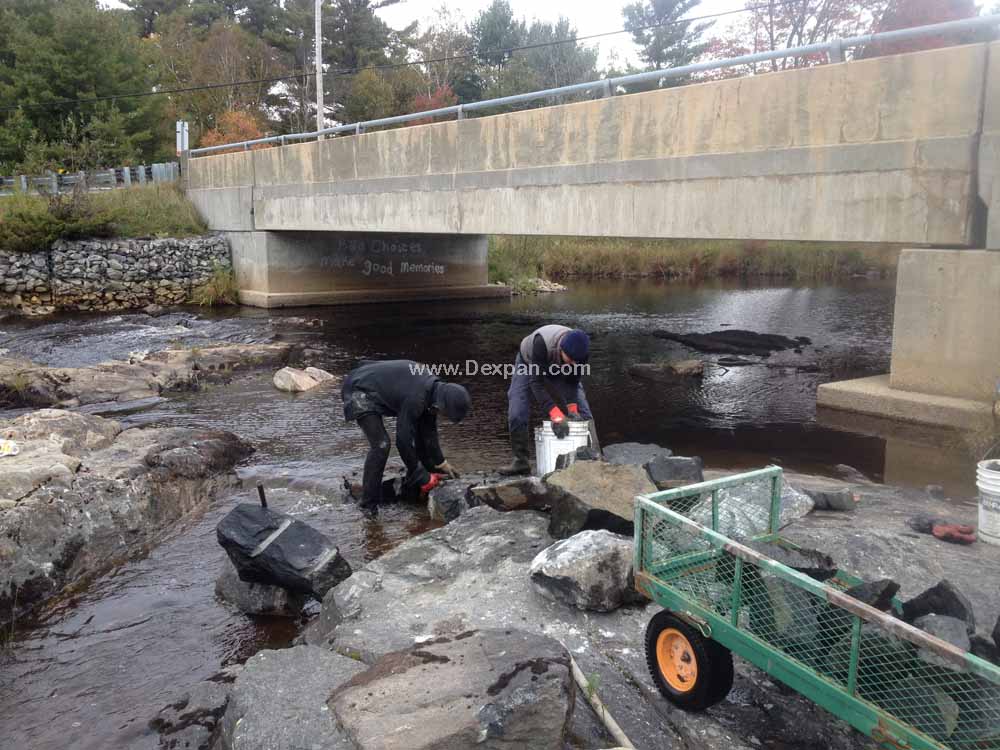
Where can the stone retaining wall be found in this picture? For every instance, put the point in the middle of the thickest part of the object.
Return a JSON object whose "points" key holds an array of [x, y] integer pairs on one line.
{"points": [[110, 274]]}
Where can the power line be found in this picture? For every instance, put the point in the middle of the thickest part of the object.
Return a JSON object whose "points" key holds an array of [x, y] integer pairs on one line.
{"points": [[391, 66]]}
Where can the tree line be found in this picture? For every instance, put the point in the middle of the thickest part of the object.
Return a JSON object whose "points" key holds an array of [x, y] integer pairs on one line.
{"points": [[183, 57]]}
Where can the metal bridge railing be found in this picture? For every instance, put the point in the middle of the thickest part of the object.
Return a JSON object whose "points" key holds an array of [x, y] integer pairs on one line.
{"points": [[833, 49], [52, 183]]}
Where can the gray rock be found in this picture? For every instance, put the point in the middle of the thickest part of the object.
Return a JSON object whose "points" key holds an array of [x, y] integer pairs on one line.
{"points": [[949, 629], [841, 500], [595, 495], [637, 454], [583, 453], [492, 689], [448, 501], [850, 474], [320, 376], [279, 701], [76, 525], [925, 706], [191, 720], [943, 598], [591, 570], [745, 511], [893, 655], [523, 493], [877, 594], [154, 310], [996, 633], [984, 648], [292, 380], [668, 472], [813, 563], [258, 598]]}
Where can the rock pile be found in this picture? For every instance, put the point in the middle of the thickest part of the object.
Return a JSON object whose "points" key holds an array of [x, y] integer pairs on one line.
{"points": [[110, 274]]}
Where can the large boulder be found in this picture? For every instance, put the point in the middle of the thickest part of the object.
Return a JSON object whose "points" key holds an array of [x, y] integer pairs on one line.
{"points": [[669, 472], [591, 570], [190, 721], [83, 495], [258, 598], [636, 454], [490, 689], [448, 501], [279, 701], [292, 380], [943, 598], [595, 495], [276, 549], [949, 629], [522, 493]]}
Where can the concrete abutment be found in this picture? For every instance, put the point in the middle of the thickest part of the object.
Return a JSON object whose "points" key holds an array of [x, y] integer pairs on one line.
{"points": [[293, 269]]}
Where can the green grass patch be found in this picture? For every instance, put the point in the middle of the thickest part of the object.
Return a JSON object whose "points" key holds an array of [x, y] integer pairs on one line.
{"points": [[514, 258], [219, 289], [31, 223]]}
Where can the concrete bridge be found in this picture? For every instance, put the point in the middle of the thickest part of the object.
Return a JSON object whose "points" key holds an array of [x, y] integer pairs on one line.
{"points": [[900, 149]]}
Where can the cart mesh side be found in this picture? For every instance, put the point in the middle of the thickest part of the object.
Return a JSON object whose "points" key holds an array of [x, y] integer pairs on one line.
{"points": [[703, 548]]}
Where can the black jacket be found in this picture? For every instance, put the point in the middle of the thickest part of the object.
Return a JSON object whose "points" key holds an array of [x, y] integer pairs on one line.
{"points": [[393, 389]]}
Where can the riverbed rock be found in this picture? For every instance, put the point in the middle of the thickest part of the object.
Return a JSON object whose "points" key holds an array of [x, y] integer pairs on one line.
{"points": [[878, 594], [665, 372], [736, 341], [448, 501], [189, 722], [945, 599], [492, 689], [279, 701], [523, 493], [258, 598], [636, 454], [583, 453], [745, 511], [591, 570], [840, 499], [320, 376], [102, 505], [70, 432], [293, 380], [813, 563], [595, 495], [276, 549], [24, 383], [948, 629], [668, 472]]}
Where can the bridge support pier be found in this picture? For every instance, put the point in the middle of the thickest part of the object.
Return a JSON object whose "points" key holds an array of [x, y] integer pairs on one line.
{"points": [[296, 269], [945, 367]]}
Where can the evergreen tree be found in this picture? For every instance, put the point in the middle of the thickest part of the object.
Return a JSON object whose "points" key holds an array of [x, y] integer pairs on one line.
{"points": [[671, 42]]}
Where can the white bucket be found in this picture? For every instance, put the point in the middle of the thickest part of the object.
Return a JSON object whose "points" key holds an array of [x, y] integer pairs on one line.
{"points": [[548, 447], [988, 481]]}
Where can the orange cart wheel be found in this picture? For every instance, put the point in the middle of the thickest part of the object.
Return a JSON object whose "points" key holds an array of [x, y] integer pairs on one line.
{"points": [[691, 671]]}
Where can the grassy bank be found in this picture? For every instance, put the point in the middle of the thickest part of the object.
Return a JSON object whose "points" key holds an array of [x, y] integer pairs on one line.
{"points": [[512, 259], [30, 223]]}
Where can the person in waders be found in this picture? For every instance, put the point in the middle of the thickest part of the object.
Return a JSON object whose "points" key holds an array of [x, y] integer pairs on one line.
{"points": [[547, 371], [405, 390]]}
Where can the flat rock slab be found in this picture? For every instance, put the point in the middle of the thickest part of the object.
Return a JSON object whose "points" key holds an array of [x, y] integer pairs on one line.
{"points": [[637, 454], [736, 341], [595, 495], [279, 701], [670, 472], [523, 493], [492, 689]]}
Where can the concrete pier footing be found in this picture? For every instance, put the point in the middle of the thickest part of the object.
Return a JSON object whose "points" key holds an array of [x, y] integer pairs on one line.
{"points": [[292, 269], [945, 367]]}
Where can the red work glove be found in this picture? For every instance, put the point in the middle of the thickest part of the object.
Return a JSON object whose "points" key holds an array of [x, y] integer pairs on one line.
{"points": [[433, 482], [955, 533], [559, 426], [574, 413]]}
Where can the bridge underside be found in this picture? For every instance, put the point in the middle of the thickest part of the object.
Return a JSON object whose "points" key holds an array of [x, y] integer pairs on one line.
{"points": [[901, 149]]}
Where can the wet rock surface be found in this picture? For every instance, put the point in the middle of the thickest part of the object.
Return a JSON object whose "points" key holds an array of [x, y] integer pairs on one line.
{"points": [[943, 598], [258, 598], [279, 701], [449, 500], [190, 722], [813, 563], [293, 380], [591, 570], [482, 688], [523, 493], [23, 383], [667, 371], [669, 472], [736, 341], [86, 494], [948, 629]]}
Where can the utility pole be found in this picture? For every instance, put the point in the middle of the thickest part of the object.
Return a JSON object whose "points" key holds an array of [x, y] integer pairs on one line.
{"points": [[319, 66]]}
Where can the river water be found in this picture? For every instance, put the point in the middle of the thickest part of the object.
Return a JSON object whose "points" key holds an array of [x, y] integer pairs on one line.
{"points": [[94, 668]]}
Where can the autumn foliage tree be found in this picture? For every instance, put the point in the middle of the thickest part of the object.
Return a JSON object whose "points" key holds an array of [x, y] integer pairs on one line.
{"points": [[904, 14], [233, 126], [440, 97]]}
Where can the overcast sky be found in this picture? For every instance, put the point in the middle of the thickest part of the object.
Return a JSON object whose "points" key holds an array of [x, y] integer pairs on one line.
{"points": [[589, 17]]}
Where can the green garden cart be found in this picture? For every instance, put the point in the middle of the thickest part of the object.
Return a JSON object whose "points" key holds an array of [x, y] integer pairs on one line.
{"points": [[698, 555]]}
